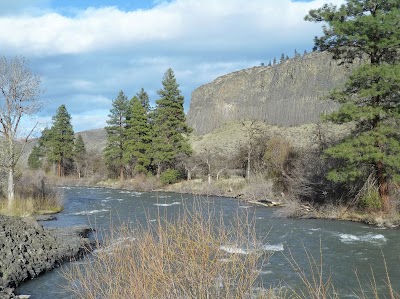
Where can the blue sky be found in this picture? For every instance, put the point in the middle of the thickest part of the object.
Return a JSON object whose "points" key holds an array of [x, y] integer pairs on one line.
{"points": [[86, 51]]}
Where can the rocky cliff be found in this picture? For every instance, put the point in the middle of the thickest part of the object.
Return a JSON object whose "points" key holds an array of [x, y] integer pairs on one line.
{"points": [[288, 94]]}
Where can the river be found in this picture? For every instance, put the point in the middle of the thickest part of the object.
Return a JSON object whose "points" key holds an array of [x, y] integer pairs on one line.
{"points": [[347, 247]]}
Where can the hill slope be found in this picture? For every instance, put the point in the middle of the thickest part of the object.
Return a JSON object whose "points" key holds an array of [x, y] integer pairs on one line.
{"points": [[288, 94]]}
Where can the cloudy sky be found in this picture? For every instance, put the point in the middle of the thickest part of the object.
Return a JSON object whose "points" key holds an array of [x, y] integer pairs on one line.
{"points": [[86, 51]]}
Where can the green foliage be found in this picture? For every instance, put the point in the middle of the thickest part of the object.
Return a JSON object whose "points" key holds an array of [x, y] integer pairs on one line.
{"points": [[371, 200], [58, 141], [138, 137], [117, 122], [79, 148], [34, 159], [366, 32], [169, 176], [144, 99], [80, 154], [170, 128]]}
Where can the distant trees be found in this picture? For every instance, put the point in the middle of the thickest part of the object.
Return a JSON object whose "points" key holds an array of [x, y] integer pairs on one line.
{"points": [[141, 140], [138, 135], [19, 92], [365, 30], [116, 135], [35, 158], [80, 155]]}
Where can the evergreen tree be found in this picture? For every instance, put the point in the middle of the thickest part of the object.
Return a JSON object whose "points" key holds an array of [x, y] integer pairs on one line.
{"points": [[305, 53], [170, 126], [282, 58], [144, 99], [79, 155], [60, 140], [138, 137], [35, 158], [117, 122], [269, 63], [274, 62], [287, 57], [368, 31]]}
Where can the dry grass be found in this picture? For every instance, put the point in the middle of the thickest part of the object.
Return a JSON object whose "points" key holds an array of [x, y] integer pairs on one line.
{"points": [[194, 255], [33, 195]]}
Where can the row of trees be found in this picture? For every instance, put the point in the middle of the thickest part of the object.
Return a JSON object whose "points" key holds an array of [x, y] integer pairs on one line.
{"points": [[145, 140]]}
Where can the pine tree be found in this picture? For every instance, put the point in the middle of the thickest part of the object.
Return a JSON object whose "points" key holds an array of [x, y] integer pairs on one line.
{"points": [[35, 158], [144, 99], [116, 130], [170, 126], [282, 58], [367, 31], [138, 137], [60, 140], [269, 63], [79, 154], [274, 62]]}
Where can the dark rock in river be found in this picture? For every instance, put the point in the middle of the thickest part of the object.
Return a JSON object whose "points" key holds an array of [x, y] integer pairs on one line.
{"points": [[27, 250]]}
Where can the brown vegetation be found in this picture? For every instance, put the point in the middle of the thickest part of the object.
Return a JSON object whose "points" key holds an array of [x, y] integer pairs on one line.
{"points": [[195, 255]]}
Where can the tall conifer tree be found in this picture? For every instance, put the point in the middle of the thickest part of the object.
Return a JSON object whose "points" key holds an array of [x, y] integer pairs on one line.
{"points": [[116, 134], [367, 31], [60, 140], [138, 137], [170, 126]]}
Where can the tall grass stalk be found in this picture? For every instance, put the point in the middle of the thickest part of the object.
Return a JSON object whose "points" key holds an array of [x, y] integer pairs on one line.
{"points": [[192, 255]]}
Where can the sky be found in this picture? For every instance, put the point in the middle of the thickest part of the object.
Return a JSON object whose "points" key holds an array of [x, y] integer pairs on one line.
{"points": [[86, 51]]}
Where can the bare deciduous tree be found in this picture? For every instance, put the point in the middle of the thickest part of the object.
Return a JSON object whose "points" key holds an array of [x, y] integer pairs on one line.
{"points": [[19, 93]]}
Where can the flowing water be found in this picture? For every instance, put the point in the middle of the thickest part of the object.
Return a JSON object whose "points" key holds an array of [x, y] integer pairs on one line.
{"points": [[346, 247]]}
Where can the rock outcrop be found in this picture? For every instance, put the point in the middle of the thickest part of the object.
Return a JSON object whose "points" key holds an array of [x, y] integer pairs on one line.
{"points": [[288, 94], [27, 250]]}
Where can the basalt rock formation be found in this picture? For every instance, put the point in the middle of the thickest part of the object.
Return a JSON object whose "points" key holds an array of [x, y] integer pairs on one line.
{"points": [[290, 93], [27, 250]]}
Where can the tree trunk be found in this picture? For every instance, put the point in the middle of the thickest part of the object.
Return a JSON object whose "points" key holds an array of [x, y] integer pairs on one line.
{"points": [[59, 168], [383, 186], [209, 178], [10, 187], [121, 172], [158, 170], [248, 165], [189, 175]]}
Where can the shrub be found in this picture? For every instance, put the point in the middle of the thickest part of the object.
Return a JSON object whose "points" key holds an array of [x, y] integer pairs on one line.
{"points": [[169, 176], [371, 200], [193, 255]]}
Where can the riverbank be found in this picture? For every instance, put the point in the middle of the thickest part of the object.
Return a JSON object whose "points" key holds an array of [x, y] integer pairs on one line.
{"points": [[259, 192], [29, 250]]}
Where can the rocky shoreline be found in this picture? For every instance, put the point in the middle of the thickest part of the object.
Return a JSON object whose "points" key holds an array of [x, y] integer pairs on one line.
{"points": [[28, 250]]}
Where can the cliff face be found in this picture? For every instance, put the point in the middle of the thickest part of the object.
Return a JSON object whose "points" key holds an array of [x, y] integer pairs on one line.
{"points": [[288, 94]]}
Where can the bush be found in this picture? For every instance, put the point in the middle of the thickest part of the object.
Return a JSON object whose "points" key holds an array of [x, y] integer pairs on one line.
{"points": [[371, 200], [169, 176], [194, 255]]}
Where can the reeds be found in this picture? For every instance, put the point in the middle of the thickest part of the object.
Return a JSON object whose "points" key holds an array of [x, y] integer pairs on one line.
{"points": [[192, 255]]}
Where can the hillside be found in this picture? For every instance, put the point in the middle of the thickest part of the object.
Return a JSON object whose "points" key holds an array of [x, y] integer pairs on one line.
{"points": [[288, 94]]}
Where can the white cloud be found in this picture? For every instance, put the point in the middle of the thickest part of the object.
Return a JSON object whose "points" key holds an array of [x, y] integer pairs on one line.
{"points": [[86, 58], [188, 22]]}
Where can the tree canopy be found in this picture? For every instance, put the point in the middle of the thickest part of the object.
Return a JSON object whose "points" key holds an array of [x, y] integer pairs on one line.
{"points": [[60, 140], [365, 32], [116, 134], [170, 126]]}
